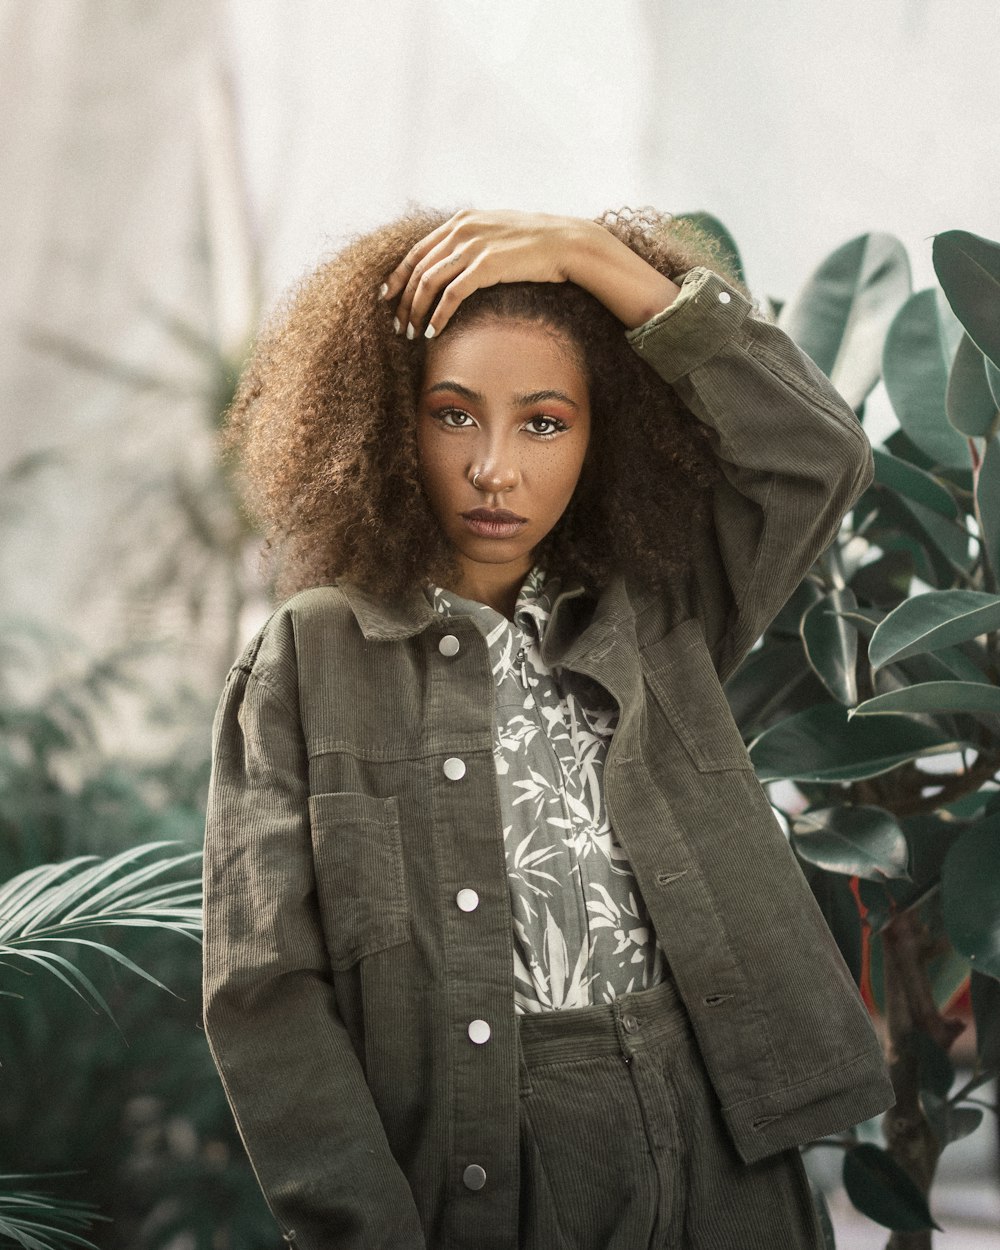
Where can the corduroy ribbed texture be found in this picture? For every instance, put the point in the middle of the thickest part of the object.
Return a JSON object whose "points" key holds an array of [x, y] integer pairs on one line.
{"points": [[341, 976], [622, 1144]]}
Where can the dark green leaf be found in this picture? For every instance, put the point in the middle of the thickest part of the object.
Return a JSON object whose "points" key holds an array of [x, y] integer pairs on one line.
{"points": [[972, 410], [821, 744], [949, 1123], [985, 993], [970, 894], [841, 315], [968, 268], [926, 622], [855, 839], [916, 362], [914, 483], [831, 644], [840, 911], [933, 696], [988, 501], [880, 1189]]}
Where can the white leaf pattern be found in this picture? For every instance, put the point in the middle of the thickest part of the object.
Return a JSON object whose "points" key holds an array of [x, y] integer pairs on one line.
{"points": [[591, 929]]}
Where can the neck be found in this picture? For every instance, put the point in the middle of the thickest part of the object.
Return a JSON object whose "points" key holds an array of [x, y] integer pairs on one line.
{"points": [[496, 585]]}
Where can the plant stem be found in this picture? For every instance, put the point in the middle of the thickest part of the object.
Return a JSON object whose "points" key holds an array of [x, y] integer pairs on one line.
{"points": [[910, 1010]]}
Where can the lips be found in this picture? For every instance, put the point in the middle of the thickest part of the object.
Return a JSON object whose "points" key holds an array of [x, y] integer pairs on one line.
{"points": [[494, 522], [493, 514]]}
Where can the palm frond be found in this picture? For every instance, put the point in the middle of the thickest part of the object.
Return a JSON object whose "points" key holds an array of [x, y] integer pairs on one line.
{"points": [[38, 1221], [59, 903]]}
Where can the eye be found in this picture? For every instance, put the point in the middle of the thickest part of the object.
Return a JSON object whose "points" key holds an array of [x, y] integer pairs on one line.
{"points": [[453, 418], [555, 426]]}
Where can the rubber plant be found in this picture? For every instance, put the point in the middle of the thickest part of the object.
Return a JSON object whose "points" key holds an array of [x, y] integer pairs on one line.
{"points": [[876, 694]]}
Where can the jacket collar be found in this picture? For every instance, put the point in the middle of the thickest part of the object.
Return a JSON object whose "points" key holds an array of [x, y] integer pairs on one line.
{"points": [[403, 616]]}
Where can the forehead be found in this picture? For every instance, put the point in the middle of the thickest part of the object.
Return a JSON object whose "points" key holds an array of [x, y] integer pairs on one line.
{"points": [[505, 355]]}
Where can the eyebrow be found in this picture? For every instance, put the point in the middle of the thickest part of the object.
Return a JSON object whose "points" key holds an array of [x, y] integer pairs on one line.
{"points": [[522, 401]]}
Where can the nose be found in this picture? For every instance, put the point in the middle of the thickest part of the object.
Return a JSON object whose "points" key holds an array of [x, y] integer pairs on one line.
{"points": [[494, 479]]}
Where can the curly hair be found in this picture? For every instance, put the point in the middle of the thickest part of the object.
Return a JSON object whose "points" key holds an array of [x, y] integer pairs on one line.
{"points": [[323, 424]]}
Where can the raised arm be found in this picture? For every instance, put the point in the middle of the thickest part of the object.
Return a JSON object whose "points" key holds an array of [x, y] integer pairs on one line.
{"points": [[794, 456], [292, 1077]]}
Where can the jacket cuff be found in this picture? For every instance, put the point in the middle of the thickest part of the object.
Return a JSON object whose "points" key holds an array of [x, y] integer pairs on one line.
{"points": [[703, 318]]}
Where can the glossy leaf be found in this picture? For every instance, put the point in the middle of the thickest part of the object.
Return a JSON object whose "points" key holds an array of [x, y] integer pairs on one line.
{"points": [[993, 380], [914, 483], [841, 315], [970, 405], [857, 840], [949, 1123], [968, 268], [985, 993], [880, 1189], [988, 501], [933, 696], [821, 744], [937, 618], [970, 895], [836, 900], [831, 644], [915, 365]]}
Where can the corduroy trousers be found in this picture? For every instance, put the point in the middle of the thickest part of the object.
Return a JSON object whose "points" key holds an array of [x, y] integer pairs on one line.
{"points": [[623, 1146]]}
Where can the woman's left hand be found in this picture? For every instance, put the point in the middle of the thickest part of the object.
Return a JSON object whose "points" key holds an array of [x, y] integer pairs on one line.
{"points": [[475, 249]]}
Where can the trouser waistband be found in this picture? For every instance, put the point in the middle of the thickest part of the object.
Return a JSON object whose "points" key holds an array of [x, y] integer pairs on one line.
{"points": [[629, 1022]]}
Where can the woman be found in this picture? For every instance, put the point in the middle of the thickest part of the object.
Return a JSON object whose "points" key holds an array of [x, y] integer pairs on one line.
{"points": [[504, 945]]}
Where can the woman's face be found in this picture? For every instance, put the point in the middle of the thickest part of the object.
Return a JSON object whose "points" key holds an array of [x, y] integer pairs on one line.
{"points": [[504, 402]]}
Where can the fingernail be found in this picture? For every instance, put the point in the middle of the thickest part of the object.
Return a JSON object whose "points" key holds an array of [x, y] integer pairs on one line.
{"points": [[410, 332], [383, 290], [429, 332], [395, 324]]}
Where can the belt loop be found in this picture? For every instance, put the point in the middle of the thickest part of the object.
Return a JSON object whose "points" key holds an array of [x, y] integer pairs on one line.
{"points": [[523, 1073]]}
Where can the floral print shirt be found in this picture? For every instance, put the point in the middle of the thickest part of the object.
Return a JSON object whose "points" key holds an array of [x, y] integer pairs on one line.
{"points": [[581, 930]]}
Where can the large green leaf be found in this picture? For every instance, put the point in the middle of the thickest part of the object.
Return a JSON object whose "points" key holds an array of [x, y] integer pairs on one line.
{"points": [[988, 501], [929, 621], [841, 315], [971, 408], [970, 895], [985, 993], [821, 744], [880, 1189], [858, 840], [914, 483], [933, 696], [916, 362], [968, 268], [836, 901], [831, 644]]}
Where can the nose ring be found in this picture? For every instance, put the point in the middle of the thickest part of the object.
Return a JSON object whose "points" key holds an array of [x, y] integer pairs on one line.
{"points": [[475, 483]]}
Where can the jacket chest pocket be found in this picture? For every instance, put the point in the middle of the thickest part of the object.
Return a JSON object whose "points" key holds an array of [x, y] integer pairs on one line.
{"points": [[360, 876], [679, 671]]}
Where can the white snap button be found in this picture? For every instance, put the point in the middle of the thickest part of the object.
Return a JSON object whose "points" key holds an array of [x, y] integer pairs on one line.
{"points": [[468, 900], [479, 1032], [474, 1177], [724, 297], [449, 645], [454, 768]]}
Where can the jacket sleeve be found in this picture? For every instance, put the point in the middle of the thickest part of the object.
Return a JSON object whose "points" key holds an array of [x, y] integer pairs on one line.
{"points": [[290, 1073], [793, 454]]}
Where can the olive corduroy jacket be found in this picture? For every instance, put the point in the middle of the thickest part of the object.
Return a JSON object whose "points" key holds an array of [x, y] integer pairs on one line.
{"points": [[340, 973]]}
